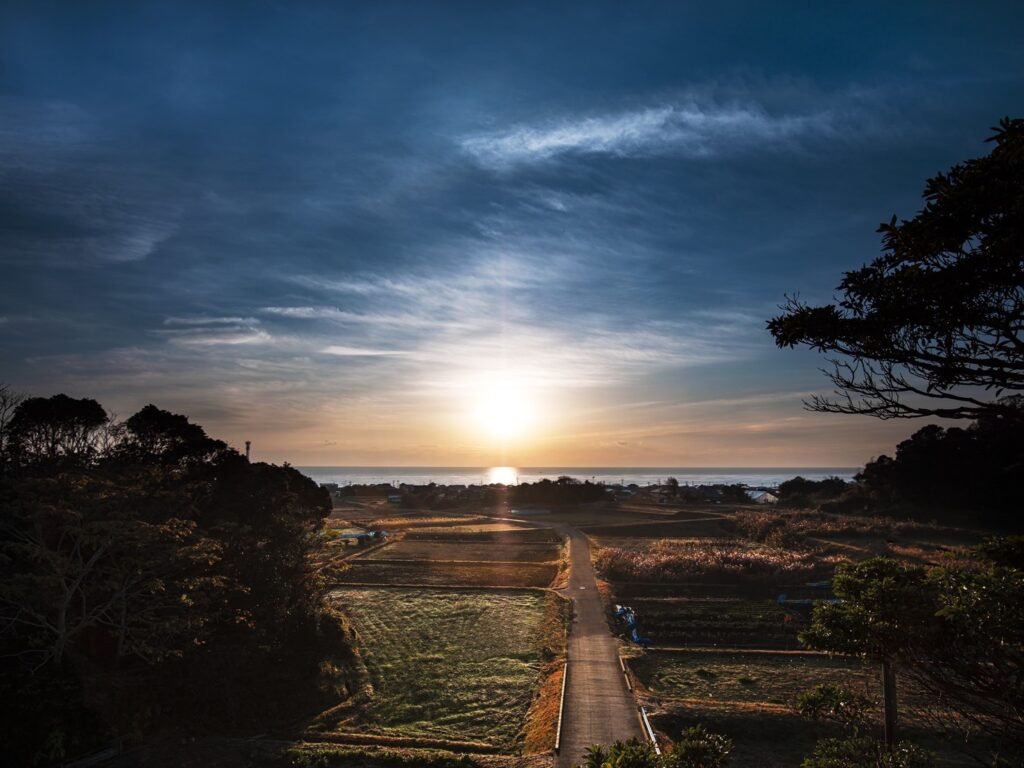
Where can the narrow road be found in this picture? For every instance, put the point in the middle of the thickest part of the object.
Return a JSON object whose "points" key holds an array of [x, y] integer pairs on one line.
{"points": [[599, 709]]}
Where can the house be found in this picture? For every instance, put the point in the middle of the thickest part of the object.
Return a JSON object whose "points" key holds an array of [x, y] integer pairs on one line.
{"points": [[763, 497]]}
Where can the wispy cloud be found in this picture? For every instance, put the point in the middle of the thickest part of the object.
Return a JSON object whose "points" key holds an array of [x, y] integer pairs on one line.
{"points": [[342, 351], [205, 331], [689, 129]]}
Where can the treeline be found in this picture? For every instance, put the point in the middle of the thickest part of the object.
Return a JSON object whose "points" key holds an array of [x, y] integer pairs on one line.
{"points": [[980, 468], [564, 490], [943, 471], [150, 578]]}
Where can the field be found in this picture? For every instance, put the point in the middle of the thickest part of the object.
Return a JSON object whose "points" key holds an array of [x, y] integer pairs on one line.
{"points": [[709, 621], [770, 678], [454, 665], [482, 551], [750, 696], [726, 653], [461, 556], [429, 572]]}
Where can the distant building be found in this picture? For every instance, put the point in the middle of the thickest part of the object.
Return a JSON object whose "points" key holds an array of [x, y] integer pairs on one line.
{"points": [[763, 497], [394, 498]]}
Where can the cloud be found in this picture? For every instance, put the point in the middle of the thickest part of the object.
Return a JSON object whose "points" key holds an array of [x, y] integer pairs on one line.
{"points": [[687, 129], [342, 351], [205, 331]]}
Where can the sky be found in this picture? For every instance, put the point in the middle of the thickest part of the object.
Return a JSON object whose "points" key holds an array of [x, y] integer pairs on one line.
{"points": [[464, 234]]}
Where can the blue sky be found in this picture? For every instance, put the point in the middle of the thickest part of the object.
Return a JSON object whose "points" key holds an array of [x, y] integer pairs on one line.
{"points": [[336, 228]]}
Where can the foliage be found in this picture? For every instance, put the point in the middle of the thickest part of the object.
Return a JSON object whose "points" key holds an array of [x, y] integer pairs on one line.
{"points": [[1005, 551], [882, 605], [957, 631], [799, 492], [145, 568], [975, 468], [828, 701], [933, 326], [865, 752], [327, 756], [564, 490], [696, 748]]}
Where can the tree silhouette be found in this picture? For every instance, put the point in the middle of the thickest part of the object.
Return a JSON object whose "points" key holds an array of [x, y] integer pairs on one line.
{"points": [[934, 326]]}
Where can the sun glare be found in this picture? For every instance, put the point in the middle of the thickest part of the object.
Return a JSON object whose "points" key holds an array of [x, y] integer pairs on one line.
{"points": [[503, 475], [504, 413]]}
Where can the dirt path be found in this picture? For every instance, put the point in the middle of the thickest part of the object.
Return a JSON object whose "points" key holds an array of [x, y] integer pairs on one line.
{"points": [[599, 709]]}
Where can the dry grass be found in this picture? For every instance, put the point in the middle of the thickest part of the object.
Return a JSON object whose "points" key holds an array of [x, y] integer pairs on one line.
{"points": [[677, 561]]}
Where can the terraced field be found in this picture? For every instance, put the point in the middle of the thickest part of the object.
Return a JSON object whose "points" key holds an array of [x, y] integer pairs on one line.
{"points": [[447, 664]]}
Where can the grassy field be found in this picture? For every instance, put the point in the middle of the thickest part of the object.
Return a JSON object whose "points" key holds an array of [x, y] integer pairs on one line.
{"points": [[454, 665]]}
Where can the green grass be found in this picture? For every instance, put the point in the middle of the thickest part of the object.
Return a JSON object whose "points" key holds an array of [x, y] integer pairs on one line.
{"points": [[449, 664]]}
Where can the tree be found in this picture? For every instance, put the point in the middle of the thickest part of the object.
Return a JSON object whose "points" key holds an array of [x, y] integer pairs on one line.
{"points": [[9, 402], [56, 430], [934, 326], [956, 631], [986, 460], [881, 606], [145, 571]]}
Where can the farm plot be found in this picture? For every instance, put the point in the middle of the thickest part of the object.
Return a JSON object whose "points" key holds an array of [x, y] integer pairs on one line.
{"points": [[460, 666], [763, 678], [712, 560], [750, 696], [698, 525], [437, 573], [732, 622], [507, 533], [482, 551], [519, 558]]}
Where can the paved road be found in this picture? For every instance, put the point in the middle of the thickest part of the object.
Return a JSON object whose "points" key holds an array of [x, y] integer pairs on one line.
{"points": [[599, 709]]}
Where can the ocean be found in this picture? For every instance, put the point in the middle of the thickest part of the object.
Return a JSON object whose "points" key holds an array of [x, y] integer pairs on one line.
{"points": [[750, 476]]}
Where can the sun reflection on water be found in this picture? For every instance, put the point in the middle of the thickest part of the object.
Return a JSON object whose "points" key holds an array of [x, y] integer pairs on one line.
{"points": [[503, 475]]}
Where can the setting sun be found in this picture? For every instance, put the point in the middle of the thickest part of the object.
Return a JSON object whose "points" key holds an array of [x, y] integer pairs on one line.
{"points": [[504, 413]]}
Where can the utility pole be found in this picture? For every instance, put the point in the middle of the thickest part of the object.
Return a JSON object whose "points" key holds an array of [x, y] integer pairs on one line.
{"points": [[248, 445]]}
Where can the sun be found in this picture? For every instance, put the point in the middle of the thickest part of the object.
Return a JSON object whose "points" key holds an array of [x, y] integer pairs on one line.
{"points": [[504, 413]]}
